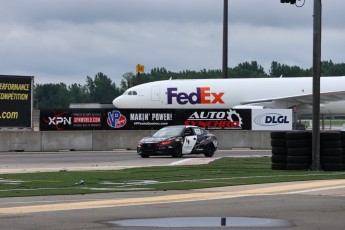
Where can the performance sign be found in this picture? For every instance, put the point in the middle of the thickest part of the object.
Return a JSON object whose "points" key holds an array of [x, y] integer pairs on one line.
{"points": [[15, 101]]}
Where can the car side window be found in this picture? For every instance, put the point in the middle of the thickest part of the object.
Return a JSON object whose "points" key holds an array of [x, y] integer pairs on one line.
{"points": [[198, 131], [188, 132]]}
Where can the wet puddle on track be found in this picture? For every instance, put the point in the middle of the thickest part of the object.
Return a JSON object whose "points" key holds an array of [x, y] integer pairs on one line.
{"points": [[184, 222]]}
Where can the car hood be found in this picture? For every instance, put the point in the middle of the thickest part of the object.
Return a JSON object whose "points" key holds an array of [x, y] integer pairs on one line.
{"points": [[153, 139]]}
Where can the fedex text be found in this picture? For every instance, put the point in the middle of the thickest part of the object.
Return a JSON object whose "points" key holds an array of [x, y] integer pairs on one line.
{"points": [[203, 95]]}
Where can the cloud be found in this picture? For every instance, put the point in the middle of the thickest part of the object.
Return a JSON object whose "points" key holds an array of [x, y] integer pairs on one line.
{"points": [[65, 41]]}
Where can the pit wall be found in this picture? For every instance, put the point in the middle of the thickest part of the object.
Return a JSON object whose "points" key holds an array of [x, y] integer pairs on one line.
{"points": [[44, 141]]}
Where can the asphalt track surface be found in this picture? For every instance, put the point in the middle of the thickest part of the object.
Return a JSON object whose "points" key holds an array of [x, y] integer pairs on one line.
{"points": [[22, 162], [307, 205]]}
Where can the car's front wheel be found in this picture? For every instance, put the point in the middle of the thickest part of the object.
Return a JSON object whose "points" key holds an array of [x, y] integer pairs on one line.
{"points": [[177, 152], [144, 155], [209, 150]]}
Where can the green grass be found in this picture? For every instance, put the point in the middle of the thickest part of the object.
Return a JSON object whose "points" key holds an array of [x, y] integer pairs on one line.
{"points": [[222, 172]]}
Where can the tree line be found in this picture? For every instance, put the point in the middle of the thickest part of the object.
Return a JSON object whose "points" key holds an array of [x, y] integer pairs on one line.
{"points": [[101, 89]]}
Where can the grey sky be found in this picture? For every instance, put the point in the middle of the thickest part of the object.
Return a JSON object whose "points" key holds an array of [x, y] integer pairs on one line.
{"points": [[67, 40]]}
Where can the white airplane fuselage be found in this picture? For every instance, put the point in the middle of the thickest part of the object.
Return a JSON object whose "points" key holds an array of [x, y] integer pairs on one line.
{"points": [[238, 93]]}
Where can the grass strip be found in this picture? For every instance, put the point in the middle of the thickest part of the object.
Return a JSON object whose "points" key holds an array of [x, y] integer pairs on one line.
{"points": [[222, 172]]}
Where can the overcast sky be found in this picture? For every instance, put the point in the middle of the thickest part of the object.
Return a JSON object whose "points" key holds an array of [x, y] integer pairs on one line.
{"points": [[67, 40]]}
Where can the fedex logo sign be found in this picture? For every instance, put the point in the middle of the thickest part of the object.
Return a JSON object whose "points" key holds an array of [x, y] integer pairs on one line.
{"points": [[203, 95]]}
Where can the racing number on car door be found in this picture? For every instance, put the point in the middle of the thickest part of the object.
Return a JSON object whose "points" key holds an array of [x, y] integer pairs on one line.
{"points": [[188, 144]]}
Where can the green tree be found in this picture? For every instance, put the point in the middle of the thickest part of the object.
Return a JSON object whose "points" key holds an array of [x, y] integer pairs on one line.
{"points": [[78, 93], [328, 68], [278, 70], [52, 96], [247, 70], [101, 89], [128, 80]]}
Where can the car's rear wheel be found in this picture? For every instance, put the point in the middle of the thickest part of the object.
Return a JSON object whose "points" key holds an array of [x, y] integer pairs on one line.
{"points": [[209, 150], [177, 152]]}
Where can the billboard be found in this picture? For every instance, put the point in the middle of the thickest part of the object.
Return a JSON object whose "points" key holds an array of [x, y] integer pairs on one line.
{"points": [[154, 119], [143, 119], [272, 119], [16, 101], [71, 119]]}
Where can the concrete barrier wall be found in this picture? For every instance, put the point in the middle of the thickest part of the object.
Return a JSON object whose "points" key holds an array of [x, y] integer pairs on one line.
{"points": [[31, 141]]}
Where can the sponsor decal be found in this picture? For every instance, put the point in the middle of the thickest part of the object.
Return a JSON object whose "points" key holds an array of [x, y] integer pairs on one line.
{"points": [[216, 119], [203, 95], [116, 119]]}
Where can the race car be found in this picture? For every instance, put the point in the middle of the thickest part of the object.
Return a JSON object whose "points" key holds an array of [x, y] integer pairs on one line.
{"points": [[177, 141]]}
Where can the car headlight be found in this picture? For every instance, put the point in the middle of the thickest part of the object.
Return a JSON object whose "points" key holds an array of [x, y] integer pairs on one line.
{"points": [[139, 144], [167, 142]]}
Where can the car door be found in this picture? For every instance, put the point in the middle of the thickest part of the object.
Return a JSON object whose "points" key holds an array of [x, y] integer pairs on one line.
{"points": [[189, 141]]}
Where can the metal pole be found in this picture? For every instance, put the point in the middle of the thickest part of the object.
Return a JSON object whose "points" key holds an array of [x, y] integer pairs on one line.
{"points": [[316, 85], [225, 40]]}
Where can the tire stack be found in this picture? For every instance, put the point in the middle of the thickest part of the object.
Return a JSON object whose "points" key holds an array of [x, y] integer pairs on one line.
{"points": [[331, 151], [342, 136], [299, 150], [278, 143]]}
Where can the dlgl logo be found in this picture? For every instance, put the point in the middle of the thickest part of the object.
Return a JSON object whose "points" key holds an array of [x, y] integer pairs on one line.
{"points": [[201, 96], [271, 119], [116, 119]]}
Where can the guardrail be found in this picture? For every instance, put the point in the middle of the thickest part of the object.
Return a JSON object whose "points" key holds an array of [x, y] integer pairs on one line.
{"points": [[45, 141]]}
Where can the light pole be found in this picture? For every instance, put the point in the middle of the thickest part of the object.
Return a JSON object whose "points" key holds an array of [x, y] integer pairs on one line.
{"points": [[316, 85], [225, 40], [316, 166]]}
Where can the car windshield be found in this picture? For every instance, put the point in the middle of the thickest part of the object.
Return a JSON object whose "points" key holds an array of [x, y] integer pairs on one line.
{"points": [[169, 132]]}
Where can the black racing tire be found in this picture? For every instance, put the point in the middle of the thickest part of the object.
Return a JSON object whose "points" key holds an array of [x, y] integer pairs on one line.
{"points": [[279, 151], [331, 159], [297, 166], [278, 159], [330, 144], [278, 142], [209, 150], [343, 144], [299, 152], [342, 135], [278, 166], [177, 152], [331, 151], [298, 160], [299, 135], [298, 143], [145, 155], [330, 136], [332, 167], [278, 135]]}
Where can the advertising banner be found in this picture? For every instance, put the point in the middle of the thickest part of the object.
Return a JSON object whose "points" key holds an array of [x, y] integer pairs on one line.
{"points": [[230, 119], [15, 101], [143, 119], [71, 119], [272, 119]]}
